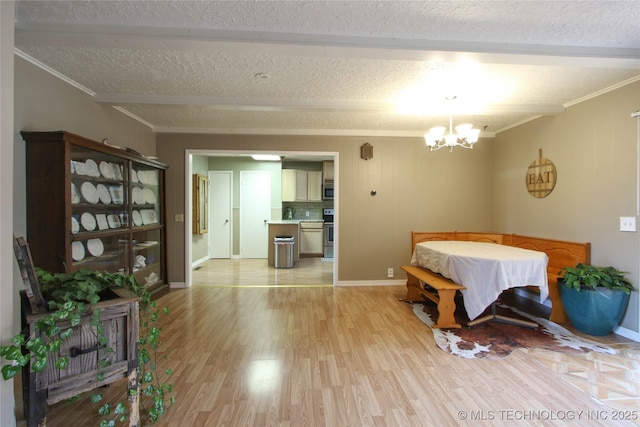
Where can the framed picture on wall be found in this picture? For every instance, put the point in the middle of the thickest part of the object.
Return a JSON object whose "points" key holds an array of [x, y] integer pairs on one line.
{"points": [[200, 212]]}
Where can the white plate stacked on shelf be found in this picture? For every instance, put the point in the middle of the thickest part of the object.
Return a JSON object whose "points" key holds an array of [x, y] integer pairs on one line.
{"points": [[77, 251], [106, 169], [88, 221], [89, 192], [149, 196], [103, 194], [75, 225], [75, 196], [137, 218], [149, 177], [114, 221], [117, 194], [103, 224], [95, 247], [92, 168], [149, 216], [137, 195]]}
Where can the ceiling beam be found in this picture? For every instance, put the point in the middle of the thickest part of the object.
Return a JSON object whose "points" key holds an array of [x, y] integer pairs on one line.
{"points": [[321, 45], [248, 104]]}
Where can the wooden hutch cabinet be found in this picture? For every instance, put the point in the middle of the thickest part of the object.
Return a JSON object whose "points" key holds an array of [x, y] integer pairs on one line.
{"points": [[95, 206]]}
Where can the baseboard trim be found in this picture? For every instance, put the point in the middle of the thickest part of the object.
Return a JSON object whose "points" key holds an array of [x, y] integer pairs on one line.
{"points": [[346, 283], [177, 285]]}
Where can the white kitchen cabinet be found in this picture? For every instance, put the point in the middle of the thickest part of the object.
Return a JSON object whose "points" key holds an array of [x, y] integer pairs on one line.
{"points": [[314, 186], [288, 185], [302, 181], [301, 186], [327, 170], [311, 239]]}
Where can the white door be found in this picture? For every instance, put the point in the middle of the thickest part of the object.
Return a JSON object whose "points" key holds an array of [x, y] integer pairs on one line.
{"points": [[255, 212], [220, 193]]}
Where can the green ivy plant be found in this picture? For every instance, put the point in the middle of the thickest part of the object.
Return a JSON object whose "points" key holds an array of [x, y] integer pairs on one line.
{"points": [[71, 295], [585, 276]]}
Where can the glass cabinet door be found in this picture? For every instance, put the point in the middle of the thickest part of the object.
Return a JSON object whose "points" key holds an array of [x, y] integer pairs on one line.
{"points": [[147, 226], [99, 214]]}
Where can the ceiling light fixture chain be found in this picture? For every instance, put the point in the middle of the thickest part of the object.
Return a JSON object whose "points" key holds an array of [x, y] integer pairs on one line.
{"points": [[465, 137]]}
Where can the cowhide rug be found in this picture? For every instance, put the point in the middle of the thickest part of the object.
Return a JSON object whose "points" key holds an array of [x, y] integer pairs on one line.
{"points": [[496, 340]]}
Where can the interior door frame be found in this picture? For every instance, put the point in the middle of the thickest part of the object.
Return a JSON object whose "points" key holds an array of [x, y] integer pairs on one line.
{"points": [[188, 160]]}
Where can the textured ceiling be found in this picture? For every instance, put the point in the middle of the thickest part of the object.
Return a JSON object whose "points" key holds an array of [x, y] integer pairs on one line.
{"points": [[334, 67]]}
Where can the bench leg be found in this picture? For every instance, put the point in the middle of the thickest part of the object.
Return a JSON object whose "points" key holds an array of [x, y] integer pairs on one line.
{"points": [[446, 309], [413, 294]]}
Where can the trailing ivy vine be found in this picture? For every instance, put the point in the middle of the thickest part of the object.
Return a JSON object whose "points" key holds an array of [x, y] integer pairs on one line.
{"points": [[69, 296]]}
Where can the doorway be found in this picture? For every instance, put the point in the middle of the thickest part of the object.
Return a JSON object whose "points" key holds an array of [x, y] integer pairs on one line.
{"points": [[188, 171]]}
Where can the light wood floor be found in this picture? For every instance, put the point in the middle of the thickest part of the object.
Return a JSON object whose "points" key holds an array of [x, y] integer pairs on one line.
{"points": [[255, 272], [356, 356]]}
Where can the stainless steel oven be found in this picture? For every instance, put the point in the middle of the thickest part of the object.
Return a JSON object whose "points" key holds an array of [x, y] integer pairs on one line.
{"points": [[327, 216]]}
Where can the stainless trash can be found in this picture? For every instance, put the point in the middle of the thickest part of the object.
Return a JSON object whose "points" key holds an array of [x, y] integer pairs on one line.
{"points": [[283, 251]]}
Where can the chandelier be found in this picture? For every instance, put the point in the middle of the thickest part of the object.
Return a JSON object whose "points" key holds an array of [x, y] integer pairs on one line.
{"points": [[465, 137]]}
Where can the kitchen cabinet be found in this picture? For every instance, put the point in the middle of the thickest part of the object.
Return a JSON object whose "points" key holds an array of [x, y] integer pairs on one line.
{"points": [[95, 206], [301, 186], [302, 182], [327, 170], [311, 238], [314, 186]]}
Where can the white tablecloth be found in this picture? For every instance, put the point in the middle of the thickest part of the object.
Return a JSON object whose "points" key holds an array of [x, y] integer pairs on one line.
{"points": [[485, 269]]}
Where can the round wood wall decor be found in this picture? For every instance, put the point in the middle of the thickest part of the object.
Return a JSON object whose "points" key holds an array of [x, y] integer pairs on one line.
{"points": [[541, 177]]}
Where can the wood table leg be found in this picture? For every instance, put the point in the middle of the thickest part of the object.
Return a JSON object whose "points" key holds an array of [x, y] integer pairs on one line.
{"points": [[446, 309]]}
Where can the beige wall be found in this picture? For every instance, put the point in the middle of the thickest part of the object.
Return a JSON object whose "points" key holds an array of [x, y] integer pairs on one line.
{"points": [[46, 103], [8, 300], [594, 146], [416, 190]]}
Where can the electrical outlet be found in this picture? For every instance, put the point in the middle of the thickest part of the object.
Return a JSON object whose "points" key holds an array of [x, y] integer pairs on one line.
{"points": [[389, 272], [306, 214], [627, 223]]}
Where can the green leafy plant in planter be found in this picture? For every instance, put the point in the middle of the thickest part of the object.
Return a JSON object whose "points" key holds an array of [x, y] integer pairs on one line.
{"points": [[69, 296], [594, 298]]}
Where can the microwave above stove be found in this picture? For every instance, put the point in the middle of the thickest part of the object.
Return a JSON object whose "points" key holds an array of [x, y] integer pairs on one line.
{"points": [[327, 191]]}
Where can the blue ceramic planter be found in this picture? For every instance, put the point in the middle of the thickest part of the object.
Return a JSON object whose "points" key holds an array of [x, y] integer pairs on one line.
{"points": [[594, 312]]}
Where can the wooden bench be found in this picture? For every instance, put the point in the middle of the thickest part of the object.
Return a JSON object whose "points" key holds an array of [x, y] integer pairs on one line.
{"points": [[439, 289], [561, 254]]}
